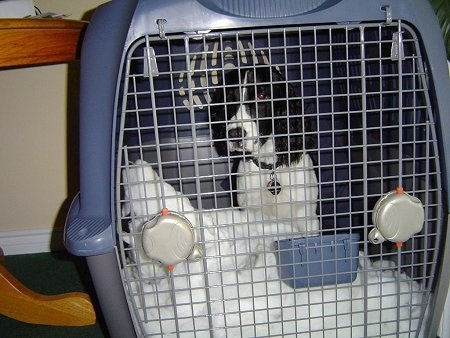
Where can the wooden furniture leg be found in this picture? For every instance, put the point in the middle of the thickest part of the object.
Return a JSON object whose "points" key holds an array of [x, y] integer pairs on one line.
{"points": [[20, 303]]}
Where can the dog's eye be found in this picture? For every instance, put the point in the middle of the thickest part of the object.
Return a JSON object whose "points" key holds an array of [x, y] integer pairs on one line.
{"points": [[262, 95]]}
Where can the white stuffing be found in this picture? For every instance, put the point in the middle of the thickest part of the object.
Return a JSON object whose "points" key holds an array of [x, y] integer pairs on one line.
{"points": [[235, 290]]}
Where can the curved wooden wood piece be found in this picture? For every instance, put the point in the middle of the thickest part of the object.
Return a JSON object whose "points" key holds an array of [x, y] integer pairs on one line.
{"points": [[20, 303]]}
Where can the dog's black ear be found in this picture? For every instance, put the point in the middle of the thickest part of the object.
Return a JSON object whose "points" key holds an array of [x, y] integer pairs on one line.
{"points": [[306, 127], [217, 119], [295, 104], [276, 75], [215, 105], [302, 121], [292, 92]]}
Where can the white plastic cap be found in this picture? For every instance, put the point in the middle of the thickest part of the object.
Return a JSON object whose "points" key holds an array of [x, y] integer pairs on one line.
{"points": [[168, 238], [397, 217]]}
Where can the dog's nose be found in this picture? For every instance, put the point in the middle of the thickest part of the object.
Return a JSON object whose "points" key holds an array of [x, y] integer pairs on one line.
{"points": [[236, 133]]}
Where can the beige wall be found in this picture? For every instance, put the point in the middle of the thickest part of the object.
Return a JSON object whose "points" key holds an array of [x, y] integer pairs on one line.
{"points": [[38, 114]]}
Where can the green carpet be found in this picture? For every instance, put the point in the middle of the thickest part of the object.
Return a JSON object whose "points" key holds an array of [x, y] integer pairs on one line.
{"points": [[49, 274]]}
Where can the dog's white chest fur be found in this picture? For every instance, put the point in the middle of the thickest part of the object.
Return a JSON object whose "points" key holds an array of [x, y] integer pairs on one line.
{"points": [[297, 197]]}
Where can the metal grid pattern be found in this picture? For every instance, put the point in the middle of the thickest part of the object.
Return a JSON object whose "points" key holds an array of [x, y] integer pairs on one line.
{"points": [[364, 90]]}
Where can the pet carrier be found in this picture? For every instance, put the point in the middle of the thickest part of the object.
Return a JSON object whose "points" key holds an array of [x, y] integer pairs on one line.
{"points": [[264, 168]]}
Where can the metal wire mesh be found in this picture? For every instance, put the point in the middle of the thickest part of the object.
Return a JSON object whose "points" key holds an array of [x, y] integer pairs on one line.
{"points": [[364, 91]]}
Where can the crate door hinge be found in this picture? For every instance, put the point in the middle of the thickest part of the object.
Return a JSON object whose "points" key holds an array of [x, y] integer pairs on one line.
{"points": [[388, 10], [397, 50], [150, 65], [161, 27]]}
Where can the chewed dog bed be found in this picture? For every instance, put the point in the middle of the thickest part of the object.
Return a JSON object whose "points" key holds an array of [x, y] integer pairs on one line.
{"points": [[234, 289]]}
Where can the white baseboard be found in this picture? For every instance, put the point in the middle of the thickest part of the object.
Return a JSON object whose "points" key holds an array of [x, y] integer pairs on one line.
{"points": [[31, 241]]}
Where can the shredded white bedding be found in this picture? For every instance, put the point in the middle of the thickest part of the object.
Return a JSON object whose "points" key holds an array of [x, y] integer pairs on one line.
{"points": [[235, 290]]}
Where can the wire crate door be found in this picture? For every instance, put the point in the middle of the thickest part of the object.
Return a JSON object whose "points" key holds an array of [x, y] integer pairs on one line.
{"points": [[365, 93]]}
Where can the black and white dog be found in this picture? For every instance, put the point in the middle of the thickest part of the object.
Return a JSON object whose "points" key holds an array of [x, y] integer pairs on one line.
{"points": [[256, 113]]}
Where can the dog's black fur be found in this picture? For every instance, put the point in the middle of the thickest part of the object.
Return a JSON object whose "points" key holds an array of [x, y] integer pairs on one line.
{"points": [[268, 98]]}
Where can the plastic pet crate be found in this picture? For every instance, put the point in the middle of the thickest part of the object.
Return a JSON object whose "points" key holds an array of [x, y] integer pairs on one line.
{"points": [[360, 221]]}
